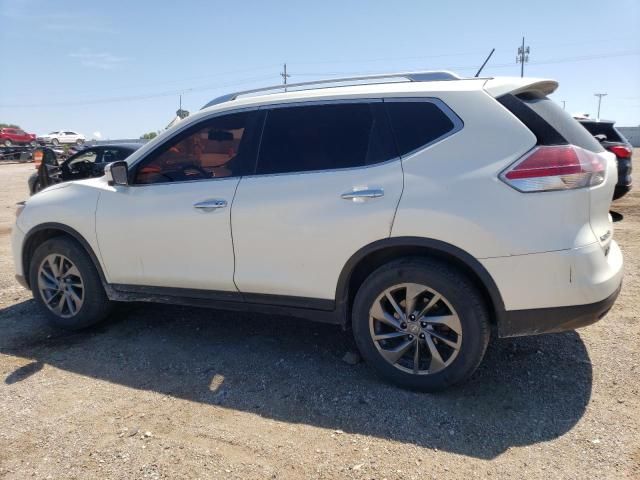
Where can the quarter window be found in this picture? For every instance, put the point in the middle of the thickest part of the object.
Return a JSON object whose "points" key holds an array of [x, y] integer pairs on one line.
{"points": [[213, 149], [416, 123], [324, 137]]}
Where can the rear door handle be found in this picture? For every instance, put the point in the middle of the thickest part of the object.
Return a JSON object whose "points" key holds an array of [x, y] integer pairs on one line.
{"points": [[362, 195], [210, 205]]}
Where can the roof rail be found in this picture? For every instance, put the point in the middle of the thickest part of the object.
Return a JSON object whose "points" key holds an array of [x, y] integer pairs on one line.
{"points": [[428, 76]]}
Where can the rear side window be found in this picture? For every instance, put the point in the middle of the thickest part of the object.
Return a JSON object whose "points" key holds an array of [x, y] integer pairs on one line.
{"points": [[547, 120], [417, 123], [324, 137]]}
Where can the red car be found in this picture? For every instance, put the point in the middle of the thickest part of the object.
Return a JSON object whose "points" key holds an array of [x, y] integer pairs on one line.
{"points": [[15, 136]]}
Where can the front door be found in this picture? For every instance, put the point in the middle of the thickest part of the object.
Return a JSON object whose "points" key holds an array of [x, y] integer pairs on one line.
{"points": [[171, 226]]}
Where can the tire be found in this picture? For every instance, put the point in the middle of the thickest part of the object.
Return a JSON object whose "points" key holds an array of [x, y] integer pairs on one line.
{"points": [[93, 306], [7, 143], [449, 302], [79, 142], [55, 142], [33, 144], [36, 187]]}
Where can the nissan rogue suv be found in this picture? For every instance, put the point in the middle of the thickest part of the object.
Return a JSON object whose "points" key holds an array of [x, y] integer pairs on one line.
{"points": [[419, 211]]}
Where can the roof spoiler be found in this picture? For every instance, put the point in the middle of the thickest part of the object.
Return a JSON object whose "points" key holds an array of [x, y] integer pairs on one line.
{"points": [[514, 85]]}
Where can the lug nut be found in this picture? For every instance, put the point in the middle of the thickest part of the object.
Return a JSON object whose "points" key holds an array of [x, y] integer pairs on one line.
{"points": [[403, 325], [422, 335], [410, 337], [412, 317], [423, 324]]}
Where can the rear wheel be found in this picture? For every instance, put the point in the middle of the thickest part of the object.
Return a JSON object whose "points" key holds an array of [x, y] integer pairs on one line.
{"points": [[79, 142], [33, 144], [421, 324], [66, 285]]}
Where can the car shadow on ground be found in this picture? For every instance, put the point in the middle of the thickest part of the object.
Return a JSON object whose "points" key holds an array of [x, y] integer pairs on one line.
{"points": [[527, 390]]}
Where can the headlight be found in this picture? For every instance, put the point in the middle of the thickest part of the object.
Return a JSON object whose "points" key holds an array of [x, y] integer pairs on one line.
{"points": [[19, 208]]}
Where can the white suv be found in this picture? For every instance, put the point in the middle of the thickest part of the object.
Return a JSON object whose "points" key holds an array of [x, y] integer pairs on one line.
{"points": [[415, 210]]}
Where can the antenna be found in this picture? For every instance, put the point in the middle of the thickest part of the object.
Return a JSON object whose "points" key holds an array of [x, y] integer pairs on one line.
{"points": [[485, 62]]}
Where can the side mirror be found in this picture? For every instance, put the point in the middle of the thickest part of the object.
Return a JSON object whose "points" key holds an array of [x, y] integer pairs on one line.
{"points": [[117, 173]]}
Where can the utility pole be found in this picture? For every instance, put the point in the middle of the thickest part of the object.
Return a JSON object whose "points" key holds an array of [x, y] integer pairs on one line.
{"points": [[599, 95], [523, 56], [284, 76], [564, 104]]}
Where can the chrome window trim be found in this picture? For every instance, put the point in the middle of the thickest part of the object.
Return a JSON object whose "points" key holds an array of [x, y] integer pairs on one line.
{"points": [[458, 125]]}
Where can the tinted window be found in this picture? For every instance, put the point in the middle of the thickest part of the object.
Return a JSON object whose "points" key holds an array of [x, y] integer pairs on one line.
{"points": [[113, 154], [416, 124], [213, 149], [324, 137], [603, 128], [561, 121]]}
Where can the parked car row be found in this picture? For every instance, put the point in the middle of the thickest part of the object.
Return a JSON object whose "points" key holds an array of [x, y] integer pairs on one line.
{"points": [[11, 136], [417, 214]]}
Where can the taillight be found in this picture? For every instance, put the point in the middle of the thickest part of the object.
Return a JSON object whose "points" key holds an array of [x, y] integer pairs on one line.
{"points": [[558, 167], [621, 151]]}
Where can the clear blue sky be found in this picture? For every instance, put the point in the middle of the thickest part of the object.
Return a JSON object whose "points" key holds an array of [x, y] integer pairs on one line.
{"points": [[117, 67]]}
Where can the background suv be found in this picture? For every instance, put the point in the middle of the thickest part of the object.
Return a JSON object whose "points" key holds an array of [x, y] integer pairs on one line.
{"points": [[614, 141], [15, 136], [62, 136], [416, 210]]}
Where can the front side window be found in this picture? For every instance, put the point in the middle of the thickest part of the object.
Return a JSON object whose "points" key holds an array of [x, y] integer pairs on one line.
{"points": [[113, 154], [324, 137], [213, 149]]}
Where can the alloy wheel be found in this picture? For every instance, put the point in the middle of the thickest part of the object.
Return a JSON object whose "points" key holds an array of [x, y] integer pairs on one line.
{"points": [[61, 285], [415, 329]]}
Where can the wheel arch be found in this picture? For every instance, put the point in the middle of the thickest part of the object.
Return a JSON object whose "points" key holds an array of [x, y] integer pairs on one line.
{"points": [[376, 254], [45, 231]]}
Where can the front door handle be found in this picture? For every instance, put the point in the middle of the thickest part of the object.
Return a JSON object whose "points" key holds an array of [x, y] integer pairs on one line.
{"points": [[362, 195], [210, 205]]}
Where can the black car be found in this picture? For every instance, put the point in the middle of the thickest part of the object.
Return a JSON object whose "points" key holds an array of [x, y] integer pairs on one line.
{"points": [[614, 141], [87, 163]]}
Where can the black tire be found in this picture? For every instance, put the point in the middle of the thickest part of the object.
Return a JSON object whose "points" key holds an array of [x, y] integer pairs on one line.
{"points": [[36, 187], [33, 144], [459, 292], [95, 306], [7, 143], [55, 142], [79, 142]]}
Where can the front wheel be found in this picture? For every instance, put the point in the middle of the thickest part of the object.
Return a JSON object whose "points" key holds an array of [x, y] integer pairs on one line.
{"points": [[79, 142], [55, 142], [420, 324], [7, 143], [66, 285]]}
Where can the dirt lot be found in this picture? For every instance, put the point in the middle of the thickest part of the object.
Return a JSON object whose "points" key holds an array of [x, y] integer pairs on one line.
{"points": [[172, 392]]}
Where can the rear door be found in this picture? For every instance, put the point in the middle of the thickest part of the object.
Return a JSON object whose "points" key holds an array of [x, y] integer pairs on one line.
{"points": [[327, 183]]}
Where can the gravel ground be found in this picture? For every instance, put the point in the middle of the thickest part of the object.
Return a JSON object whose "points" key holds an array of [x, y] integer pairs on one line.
{"points": [[173, 392]]}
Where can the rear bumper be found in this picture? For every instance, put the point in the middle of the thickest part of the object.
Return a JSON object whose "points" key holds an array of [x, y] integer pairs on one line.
{"points": [[557, 319]]}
